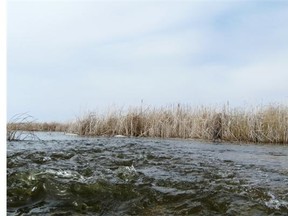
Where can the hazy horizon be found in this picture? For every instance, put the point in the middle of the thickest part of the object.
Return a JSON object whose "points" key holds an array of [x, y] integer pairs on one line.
{"points": [[69, 57]]}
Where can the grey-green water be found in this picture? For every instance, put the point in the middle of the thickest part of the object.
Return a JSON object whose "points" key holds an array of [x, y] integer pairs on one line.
{"points": [[70, 175]]}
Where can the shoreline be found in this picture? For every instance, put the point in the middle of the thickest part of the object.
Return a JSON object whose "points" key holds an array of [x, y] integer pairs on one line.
{"points": [[204, 141], [266, 124]]}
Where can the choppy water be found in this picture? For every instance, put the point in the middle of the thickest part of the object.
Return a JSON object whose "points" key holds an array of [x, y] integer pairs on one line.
{"points": [[68, 175]]}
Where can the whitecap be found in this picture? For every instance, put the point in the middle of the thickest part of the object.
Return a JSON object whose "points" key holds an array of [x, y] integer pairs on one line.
{"points": [[275, 203]]}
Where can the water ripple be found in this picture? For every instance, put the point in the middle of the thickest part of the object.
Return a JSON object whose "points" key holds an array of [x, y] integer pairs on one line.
{"points": [[127, 176]]}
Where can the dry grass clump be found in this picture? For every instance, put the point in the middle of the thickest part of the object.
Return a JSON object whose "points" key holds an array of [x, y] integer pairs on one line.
{"points": [[16, 127], [112, 123], [267, 124], [22, 126]]}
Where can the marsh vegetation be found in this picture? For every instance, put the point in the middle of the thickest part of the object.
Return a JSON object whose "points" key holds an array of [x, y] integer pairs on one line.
{"points": [[20, 127], [260, 124]]}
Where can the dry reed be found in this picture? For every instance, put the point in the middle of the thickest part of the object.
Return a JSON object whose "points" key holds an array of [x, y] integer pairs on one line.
{"points": [[266, 124]]}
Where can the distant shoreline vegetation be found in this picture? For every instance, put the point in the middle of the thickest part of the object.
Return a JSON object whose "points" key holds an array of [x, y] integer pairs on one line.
{"points": [[259, 124]]}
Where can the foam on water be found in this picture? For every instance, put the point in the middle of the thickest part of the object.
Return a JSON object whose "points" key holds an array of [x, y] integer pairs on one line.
{"points": [[275, 203]]}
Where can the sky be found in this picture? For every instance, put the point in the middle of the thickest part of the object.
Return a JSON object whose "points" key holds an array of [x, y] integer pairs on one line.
{"points": [[65, 58]]}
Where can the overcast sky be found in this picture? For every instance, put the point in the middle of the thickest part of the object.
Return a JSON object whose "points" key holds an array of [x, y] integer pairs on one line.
{"points": [[68, 57]]}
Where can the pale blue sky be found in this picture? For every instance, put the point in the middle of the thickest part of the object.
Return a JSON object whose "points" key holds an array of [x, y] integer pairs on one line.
{"points": [[68, 57]]}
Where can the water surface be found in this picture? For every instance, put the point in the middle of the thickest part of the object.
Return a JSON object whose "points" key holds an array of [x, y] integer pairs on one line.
{"points": [[70, 175]]}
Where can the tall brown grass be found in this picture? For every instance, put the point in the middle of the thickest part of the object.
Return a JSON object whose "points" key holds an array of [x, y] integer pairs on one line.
{"points": [[264, 124]]}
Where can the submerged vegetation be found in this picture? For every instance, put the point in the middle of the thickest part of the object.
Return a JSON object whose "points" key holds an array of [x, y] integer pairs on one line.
{"points": [[263, 124]]}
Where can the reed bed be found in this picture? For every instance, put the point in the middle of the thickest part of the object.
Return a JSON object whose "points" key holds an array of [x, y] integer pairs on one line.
{"points": [[37, 126], [265, 124], [261, 124]]}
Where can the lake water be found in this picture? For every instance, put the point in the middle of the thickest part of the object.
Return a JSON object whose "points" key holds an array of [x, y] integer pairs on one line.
{"points": [[71, 175]]}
